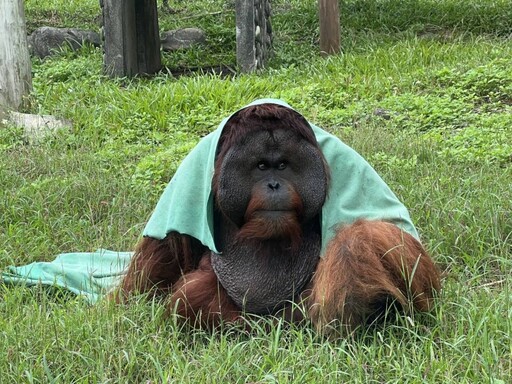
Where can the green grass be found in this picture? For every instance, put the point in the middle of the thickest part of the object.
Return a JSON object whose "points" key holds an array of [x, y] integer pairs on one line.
{"points": [[422, 89]]}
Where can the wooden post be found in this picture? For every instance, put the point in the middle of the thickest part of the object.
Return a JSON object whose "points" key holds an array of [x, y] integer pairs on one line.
{"points": [[15, 66], [16, 76], [253, 33], [245, 35], [132, 39], [329, 14]]}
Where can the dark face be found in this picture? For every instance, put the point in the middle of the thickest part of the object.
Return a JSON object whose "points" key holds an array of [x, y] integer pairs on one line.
{"points": [[271, 176]]}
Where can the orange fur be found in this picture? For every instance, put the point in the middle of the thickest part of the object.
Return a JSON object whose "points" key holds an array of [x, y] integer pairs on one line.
{"points": [[157, 264], [366, 265], [286, 227], [200, 299]]}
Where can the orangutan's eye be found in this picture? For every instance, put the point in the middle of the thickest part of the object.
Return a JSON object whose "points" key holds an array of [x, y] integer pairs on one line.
{"points": [[263, 166]]}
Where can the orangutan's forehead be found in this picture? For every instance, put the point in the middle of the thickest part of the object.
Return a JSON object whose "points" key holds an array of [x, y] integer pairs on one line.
{"points": [[272, 139]]}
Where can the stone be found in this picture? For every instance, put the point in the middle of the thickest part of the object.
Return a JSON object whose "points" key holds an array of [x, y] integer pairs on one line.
{"points": [[45, 41], [36, 127], [383, 113], [181, 38]]}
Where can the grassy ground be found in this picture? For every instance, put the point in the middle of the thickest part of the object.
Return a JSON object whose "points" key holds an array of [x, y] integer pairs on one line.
{"points": [[423, 89]]}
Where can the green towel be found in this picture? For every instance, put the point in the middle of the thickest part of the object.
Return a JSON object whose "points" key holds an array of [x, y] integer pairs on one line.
{"points": [[186, 206], [90, 274], [356, 191]]}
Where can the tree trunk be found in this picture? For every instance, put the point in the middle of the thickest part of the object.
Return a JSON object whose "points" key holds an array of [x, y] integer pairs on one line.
{"points": [[15, 66], [132, 40], [329, 15]]}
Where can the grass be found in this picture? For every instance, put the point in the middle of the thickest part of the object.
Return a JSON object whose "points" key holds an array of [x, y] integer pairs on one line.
{"points": [[423, 90]]}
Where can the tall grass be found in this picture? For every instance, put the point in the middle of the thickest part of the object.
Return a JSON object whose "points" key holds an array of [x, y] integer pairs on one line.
{"points": [[422, 89]]}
